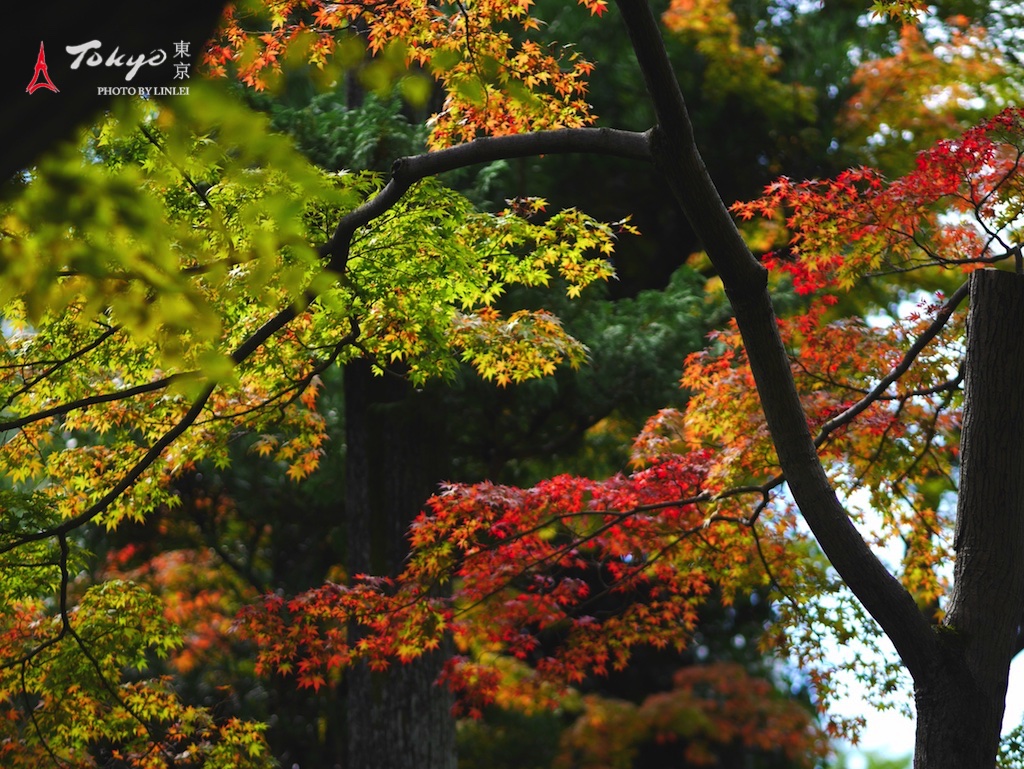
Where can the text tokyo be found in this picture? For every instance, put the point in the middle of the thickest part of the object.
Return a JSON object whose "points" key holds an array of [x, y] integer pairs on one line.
{"points": [[89, 54]]}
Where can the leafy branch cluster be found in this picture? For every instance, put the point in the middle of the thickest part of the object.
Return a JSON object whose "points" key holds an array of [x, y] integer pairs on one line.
{"points": [[571, 574], [183, 304]]}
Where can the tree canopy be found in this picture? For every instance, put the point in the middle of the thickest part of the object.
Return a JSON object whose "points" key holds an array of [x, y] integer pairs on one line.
{"points": [[180, 282]]}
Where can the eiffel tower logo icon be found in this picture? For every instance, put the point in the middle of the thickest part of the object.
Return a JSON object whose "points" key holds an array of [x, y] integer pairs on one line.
{"points": [[41, 78]]}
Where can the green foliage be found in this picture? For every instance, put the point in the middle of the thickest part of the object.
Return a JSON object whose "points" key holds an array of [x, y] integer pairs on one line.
{"points": [[508, 739], [163, 294], [33, 570], [334, 136], [1011, 749], [338, 130], [83, 695], [203, 227], [152, 218], [583, 421]]}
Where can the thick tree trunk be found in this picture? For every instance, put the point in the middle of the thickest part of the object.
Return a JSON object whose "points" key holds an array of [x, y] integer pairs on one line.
{"points": [[960, 704], [958, 723], [400, 718]]}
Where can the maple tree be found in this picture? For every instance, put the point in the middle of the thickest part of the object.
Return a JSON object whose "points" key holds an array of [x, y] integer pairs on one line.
{"points": [[568, 524], [716, 704], [66, 335], [129, 359]]}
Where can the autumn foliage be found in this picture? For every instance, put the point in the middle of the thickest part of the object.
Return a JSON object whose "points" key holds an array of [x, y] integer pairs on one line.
{"points": [[494, 83], [178, 283], [959, 206], [568, 576], [709, 708]]}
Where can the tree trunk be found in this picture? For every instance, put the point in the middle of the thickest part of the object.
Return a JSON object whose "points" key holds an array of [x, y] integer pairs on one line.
{"points": [[960, 704], [400, 718]]}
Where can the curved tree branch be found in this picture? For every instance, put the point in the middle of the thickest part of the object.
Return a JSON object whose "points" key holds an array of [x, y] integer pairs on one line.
{"points": [[405, 172], [54, 366], [745, 280], [901, 368], [408, 170], [94, 400]]}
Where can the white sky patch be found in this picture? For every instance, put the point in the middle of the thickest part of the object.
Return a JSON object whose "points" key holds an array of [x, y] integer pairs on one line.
{"points": [[890, 733], [886, 133], [945, 97]]}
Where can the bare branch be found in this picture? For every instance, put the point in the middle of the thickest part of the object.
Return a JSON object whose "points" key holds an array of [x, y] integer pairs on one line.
{"points": [[409, 170], [904, 365]]}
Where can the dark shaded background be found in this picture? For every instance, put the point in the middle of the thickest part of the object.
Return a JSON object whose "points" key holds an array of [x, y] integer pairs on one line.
{"points": [[29, 123]]}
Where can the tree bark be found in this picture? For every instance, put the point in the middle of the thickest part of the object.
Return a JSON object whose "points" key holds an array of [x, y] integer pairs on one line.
{"points": [[960, 705], [399, 718]]}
